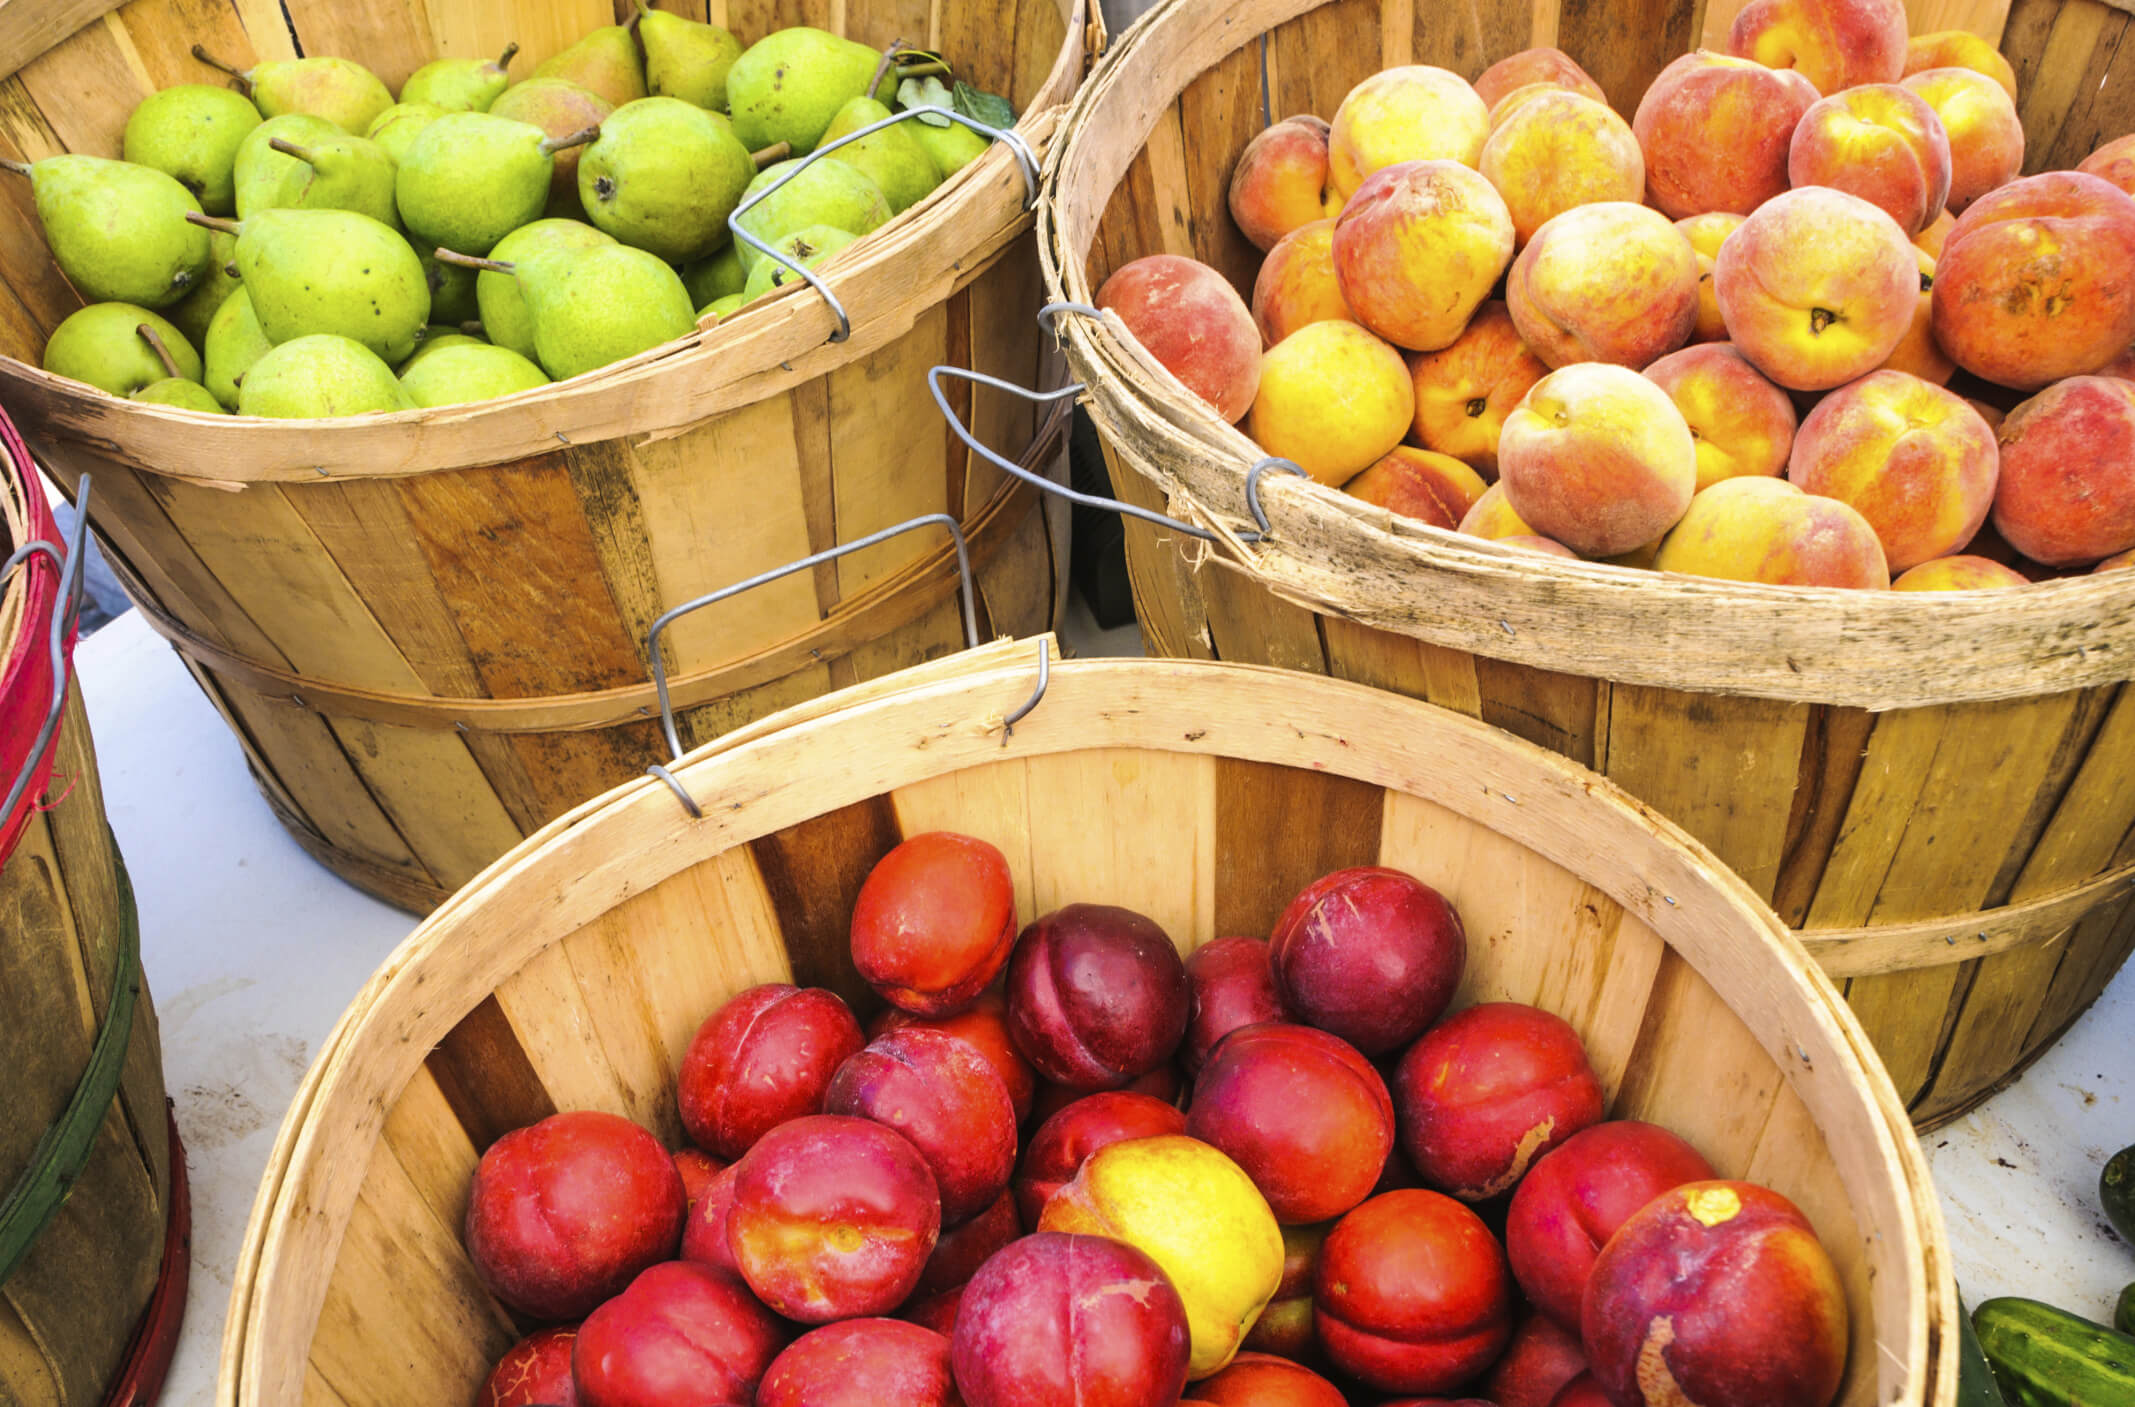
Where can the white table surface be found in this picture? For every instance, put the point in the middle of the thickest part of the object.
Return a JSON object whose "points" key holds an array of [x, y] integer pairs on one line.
{"points": [[252, 950]]}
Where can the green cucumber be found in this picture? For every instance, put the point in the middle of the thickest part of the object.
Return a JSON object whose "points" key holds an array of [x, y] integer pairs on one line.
{"points": [[2116, 1190], [2047, 1357], [1975, 1380], [2124, 1312]]}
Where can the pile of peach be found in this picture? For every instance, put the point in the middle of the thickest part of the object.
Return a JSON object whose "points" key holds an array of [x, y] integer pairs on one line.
{"points": [[1798, 321], [1359, 1202]]}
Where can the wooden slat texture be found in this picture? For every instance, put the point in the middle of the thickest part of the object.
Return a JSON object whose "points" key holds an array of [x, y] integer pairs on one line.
{"points": [[1222, 109], [426, 1138], [1129, 828], [1466, 39], [1694, 1071], [880, 409], [813, 872], [1249, 626], [1561, 712], [1277, 830], [2075, 90], [1314, 60], [484, 1074], [991, 803]]}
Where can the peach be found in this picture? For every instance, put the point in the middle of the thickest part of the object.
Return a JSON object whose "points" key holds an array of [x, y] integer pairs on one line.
{"points": [[1465, 391], [1096, 996], [1533, 543], [1560, 150], [861, 1363], [1334, 399], [1297, 284], [1768, 530], [944, 1097], [535, 1370], [1598, 458], [2122, 366], [1371, 955], [1880, 142], [1233, 986], [1961, 573], [680, 1333], [1917, 351], [1959, 48], [2115, 162], [1834, 44], [1706, 234], [1929, 241], [697, 1169], [1740, 422], [704, 1235], [1059, 1320], [1421, 484], [1715, 130], [933, 922], [761, 1059], [1410, 113], [1492, 517], [2067, 491], [984, 1026], [1412, 1294], [1189, 318], [1505, 107], [1284, 1328], [1418, 248], [1817, 288], [1541, 65], [1717, 1293], [1263, 1380], [1610, 282], [1064, 1142], [2037, 281], [963, 1249], [1542, 1357], [1915, 460], [1280, 181], [2117, 562], [1582, 1391], [1163, 1084], [1986, 136]]}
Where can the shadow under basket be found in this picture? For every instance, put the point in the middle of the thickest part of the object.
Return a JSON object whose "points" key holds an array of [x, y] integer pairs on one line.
{"points": [[1932, 788], [574, 973]]}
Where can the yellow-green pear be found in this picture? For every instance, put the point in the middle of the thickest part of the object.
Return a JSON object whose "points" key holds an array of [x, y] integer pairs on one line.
{"points": [[893, 156], [952, 145], [715, 277], [180, 395], [460, 85], [686, 60], [118, 231], [398, 126], [119, 347], [593, 307], [723, 307], [789, 84], [452, 289], [498, 296], [437, 337], [472, 178], [342, 91], [333, 271], [191, 134], [824, 193], [338, 173], [259, 168], [663, 176], [559, 108], [197, 309], [318, 376], [234, 342], [605, 61], [475, 371], [808, 248]]}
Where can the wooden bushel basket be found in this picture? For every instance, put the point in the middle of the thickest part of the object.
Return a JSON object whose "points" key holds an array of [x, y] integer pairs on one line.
{"points": [[427, 629], [1937, 791], [93, 1214], [573, 974]]}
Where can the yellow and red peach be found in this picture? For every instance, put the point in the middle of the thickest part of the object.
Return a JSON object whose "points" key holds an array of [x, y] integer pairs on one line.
{"points": [[1418, 247], [1334, 400], [1817, 288], [1768, 530], [1959, 48], [2066, 497], [1706, 234], [1297, 285], [2115, 162], [2116, 562], [1540, 65], [1613, 282], [1715, 130], [1960, 573], [1929, 241], [1881, 142], [1548, 546], [1560, 150], [1986, 136], [1835, 44], [2037, 281], [1742, 423], [1410, 113], [1189, 318], [1598, 458], [1917, 351], [1421, 484], [1915, 460], [1492, 517], [1465, 391], [1280, 181], [1064, 1142]]}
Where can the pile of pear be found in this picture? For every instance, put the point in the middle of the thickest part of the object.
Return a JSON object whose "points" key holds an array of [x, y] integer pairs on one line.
{"points": [[302, 244]]}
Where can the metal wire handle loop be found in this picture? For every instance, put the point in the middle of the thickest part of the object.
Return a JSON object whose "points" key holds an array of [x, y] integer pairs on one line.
{"points": [[1045, 678], [71, 580], [1008, 137]]}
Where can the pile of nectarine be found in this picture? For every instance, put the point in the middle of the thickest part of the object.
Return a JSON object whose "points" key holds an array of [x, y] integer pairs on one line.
{"points": [[1358, 1202], [1795, 317]]}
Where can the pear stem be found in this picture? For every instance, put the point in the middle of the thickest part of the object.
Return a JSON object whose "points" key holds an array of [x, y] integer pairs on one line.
{"points": [[156, 344], [933, 68], [583, 135], [212, 62], [777, 151], [504, 60], [214, 222], [289, 148], [882, 70], [468, 261], [20, 168]]}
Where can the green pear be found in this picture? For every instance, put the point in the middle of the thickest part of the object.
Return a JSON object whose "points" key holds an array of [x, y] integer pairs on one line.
{"points": [[724, 307], [716, 277], [258, 171], [605, 61], [191, 134], [823, 193], [398, 126], [318, 376], [182, 395], [452, 297], [333, 271], [437, 337], [234, 342], [808, 247], [498, 295], [686, 60], [893, 156], [558, 107], [460, 85], [472, 178], [119, 347], [337, 173], [117, 230], [197, 309], [342, 91], [953, 146], [456, 375], [663, 176], [788, 85], [593, 307]]}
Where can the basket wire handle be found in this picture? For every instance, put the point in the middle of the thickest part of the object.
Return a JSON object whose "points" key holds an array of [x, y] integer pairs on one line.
{"points": [[71, 580], [965, 591], [1008, 137]]}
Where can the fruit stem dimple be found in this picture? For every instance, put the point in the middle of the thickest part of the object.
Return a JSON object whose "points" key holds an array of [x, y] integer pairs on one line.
{"points": [[1477, 406], [212, 62], [289, 148], [551, 145], [468, 261], [162, 350], [1821, 318], [215, 222], [777, 151]]}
